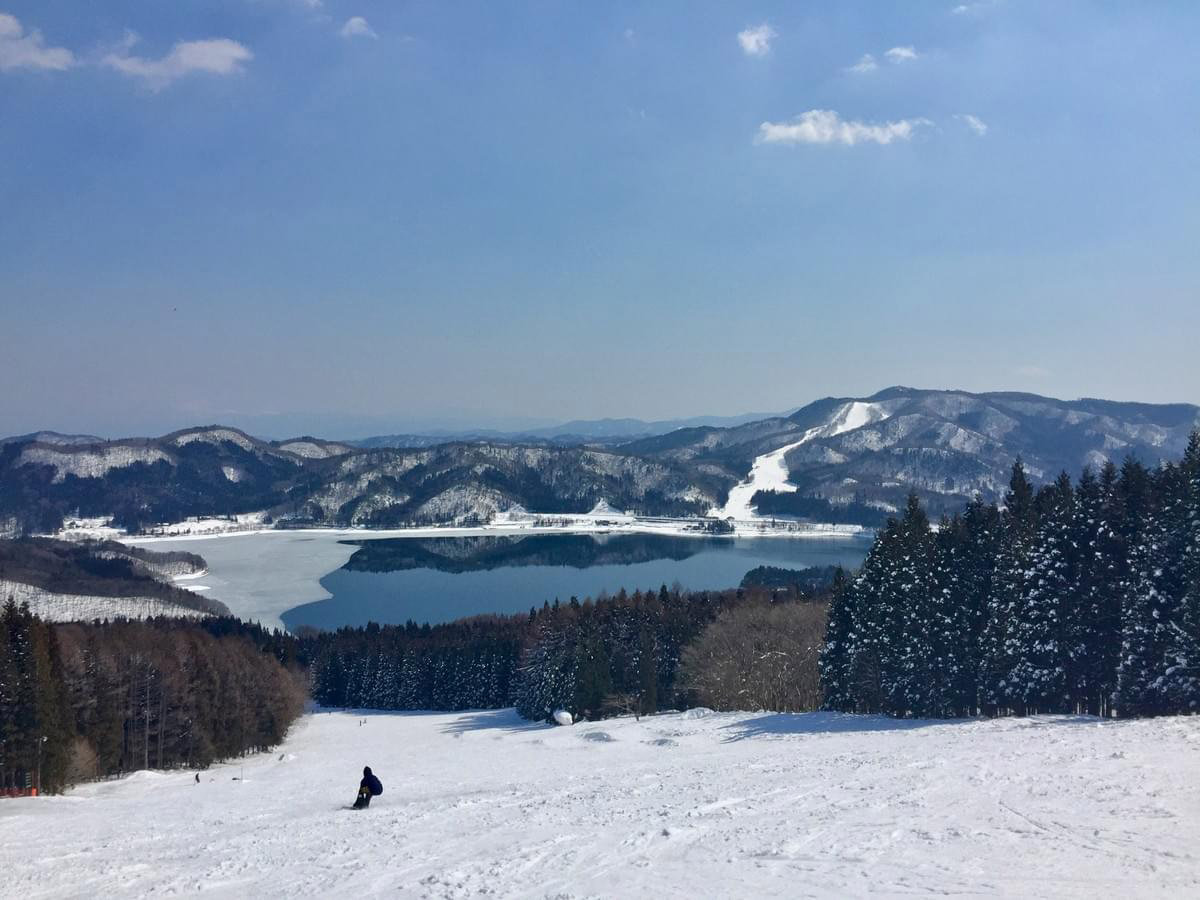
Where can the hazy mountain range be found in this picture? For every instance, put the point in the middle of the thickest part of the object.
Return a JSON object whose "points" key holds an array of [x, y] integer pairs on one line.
{"points": [[946, 445]]}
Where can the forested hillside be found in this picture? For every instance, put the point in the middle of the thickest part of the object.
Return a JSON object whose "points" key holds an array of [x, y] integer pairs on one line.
{"points": [[1078, 597], [52, 570], [81, 701], [851, 460]]}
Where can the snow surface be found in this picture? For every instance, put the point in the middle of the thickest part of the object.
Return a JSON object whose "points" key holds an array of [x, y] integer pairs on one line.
{"points": [[260, 576], [84, 607], [694, 805], [769, 471], [92, 462]]}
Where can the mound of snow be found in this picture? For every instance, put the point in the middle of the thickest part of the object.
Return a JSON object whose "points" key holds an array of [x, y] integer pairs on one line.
{"points": [[562, 717], [697, 712]]}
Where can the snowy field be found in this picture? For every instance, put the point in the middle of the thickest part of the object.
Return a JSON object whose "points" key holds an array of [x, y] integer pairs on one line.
{"points": [[745, 805]]}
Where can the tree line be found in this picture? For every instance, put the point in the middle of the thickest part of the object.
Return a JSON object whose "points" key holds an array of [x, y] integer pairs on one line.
{"points": [[632, 653], [1075, 598], [591, 658], [80, 701]]}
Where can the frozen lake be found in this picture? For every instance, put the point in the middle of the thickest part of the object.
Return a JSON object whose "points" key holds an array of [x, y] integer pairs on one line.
{"points": [[293, 578]]}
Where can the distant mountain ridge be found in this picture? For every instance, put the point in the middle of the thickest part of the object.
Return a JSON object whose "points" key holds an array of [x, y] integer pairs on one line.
{"points": [[848, 453], [577, 431], [947, 445]]}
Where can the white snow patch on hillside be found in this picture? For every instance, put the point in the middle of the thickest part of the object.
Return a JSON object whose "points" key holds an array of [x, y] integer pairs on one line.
{"points": [[90, 463], [232, 473], [718, 805], [83, 608], [770, 473], [215, 436], [313, 450]]}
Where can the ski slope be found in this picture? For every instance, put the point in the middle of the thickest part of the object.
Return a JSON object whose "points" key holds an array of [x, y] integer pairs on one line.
{"points": [[691, 805], [769, 471]]}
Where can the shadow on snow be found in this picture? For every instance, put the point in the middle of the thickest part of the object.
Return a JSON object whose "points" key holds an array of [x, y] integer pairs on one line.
{"points": [[779, 724], [491, 720]]}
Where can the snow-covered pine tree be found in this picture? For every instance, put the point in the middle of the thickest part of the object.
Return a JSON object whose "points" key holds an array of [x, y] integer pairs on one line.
{"points": [[912, 677], [952, 676], [998, 644], [546, 680], [835, 659], [1154, 606], [979, 540], [1044, 613], [875, 629], [1181, 675], [1092, 634]]}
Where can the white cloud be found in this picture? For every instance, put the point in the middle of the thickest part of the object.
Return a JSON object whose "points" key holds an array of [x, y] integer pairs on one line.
{"points": [[902, 54], [866, 64], [219, 56], [976, 6], [824, 126], [975, 123], [21, 50], [356, 26], [756, 41]]}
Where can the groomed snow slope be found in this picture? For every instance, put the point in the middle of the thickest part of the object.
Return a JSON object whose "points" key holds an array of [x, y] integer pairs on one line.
{"points": [[769, 471], [746, 805]]}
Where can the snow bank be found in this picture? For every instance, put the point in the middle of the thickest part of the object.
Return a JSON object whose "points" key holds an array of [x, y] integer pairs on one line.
{"points": [[728, 805]]}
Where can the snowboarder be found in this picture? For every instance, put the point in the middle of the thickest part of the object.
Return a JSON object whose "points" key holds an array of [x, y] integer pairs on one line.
{"points": [[369, 787]]}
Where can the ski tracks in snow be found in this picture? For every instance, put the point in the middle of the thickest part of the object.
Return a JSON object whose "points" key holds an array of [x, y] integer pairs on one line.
{"points": [[483, 805]]}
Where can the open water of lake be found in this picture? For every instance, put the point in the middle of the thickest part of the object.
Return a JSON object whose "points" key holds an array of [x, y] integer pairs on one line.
{"points": [[441, 579]]}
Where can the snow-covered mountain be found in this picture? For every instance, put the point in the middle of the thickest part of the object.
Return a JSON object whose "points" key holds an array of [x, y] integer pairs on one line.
{"points": [[867, 451], [946, 445]]}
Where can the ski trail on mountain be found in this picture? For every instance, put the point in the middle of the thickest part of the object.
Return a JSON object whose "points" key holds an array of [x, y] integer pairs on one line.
{"points": [[770, 472]]}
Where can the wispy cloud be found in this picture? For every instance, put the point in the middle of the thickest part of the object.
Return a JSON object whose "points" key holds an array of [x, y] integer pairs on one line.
{"points": [[975, 6], [825, 126], [356, 26], [219, 56], [975, 123], [901, 54], [864, 65], [27, 50], [756, 41]]}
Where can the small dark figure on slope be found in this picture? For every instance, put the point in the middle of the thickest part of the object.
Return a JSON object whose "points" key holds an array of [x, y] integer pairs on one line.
{"points": [[369, 787]]}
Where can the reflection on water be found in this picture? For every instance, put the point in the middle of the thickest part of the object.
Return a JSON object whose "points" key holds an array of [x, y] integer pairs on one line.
{"points": [[442, 579], [480, 554]]}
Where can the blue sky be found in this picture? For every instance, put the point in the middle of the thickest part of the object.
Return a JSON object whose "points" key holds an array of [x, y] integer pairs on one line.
{"points": [[350, 216]]}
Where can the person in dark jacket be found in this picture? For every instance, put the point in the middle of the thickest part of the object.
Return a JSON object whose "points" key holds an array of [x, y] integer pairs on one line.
{"points": [[369, 787]]}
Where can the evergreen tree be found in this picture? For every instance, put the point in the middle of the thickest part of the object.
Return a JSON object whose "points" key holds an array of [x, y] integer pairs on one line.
{"points": [[998, 693], [912, 670], [1154, 609], [1043, 613], [1181, 674], [546, 680], [836, 655]]}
